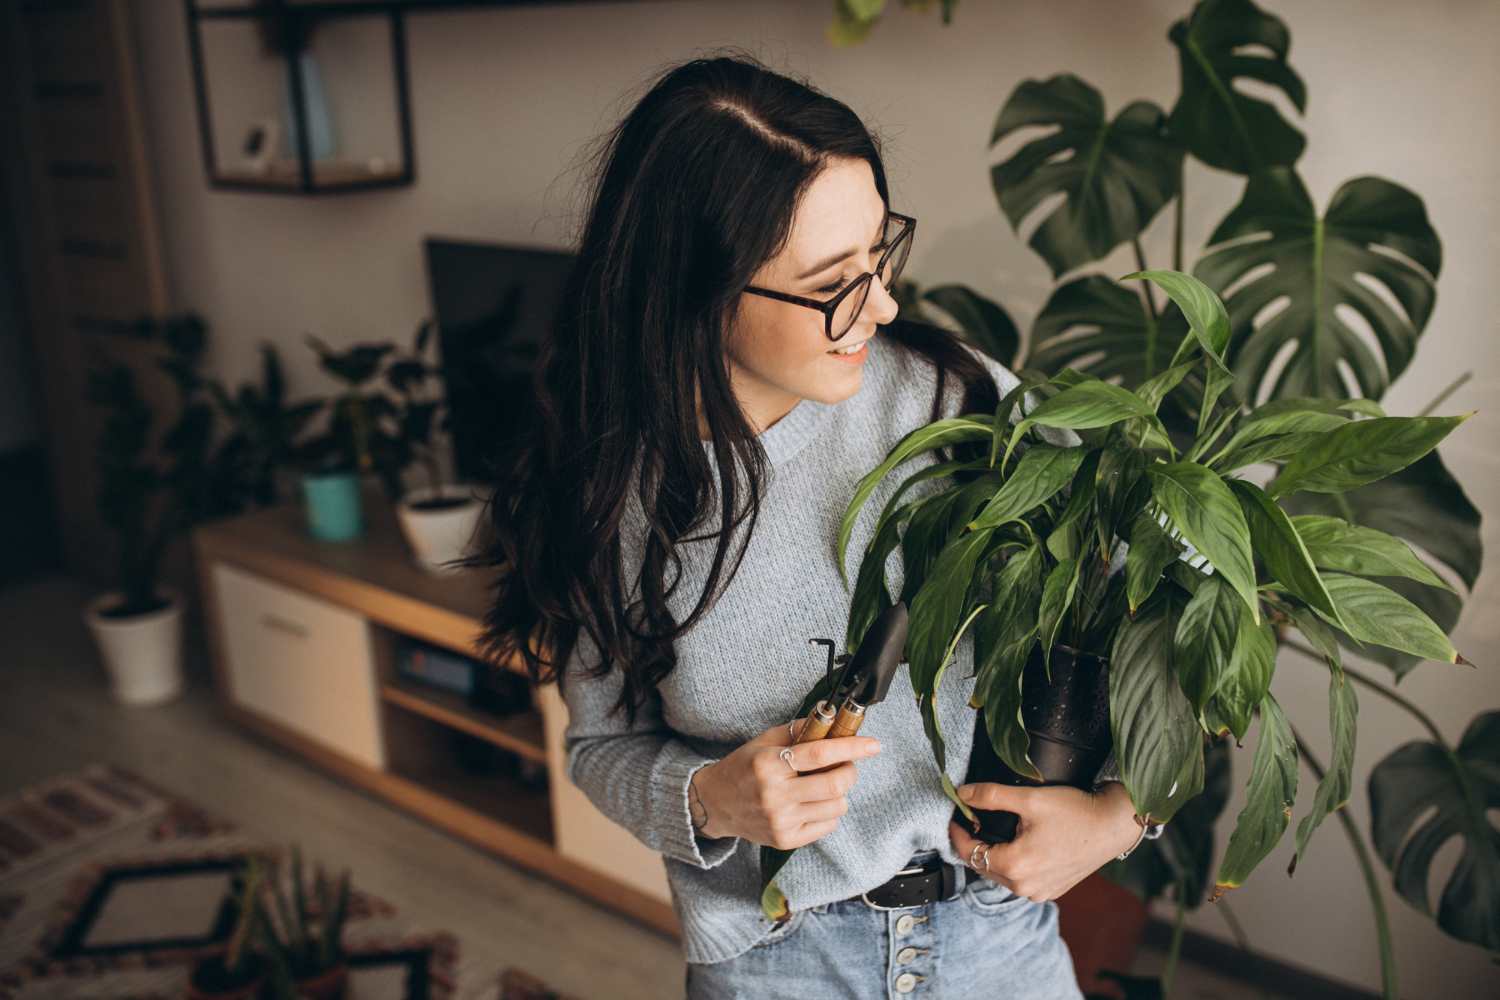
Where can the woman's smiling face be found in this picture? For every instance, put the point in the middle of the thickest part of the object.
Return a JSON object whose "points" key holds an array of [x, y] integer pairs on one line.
{"points": [[778, 352]]}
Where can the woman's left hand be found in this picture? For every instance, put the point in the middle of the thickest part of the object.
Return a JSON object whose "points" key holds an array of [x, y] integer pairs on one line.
{"points": [[1064, 835]]}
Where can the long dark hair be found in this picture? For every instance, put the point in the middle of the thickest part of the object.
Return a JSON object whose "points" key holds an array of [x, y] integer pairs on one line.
{"points": [[696, 189]]}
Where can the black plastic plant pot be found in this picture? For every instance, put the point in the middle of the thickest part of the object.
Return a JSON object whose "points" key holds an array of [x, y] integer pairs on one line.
{"points": [[1067, 717]]}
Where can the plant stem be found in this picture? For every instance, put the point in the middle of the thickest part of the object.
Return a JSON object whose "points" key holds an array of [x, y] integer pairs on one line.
{"points": [[1372, 884], [1452, 388], [1244, 942], [1177, 217], [1175, 951], [1390, 694], [1140, 265]]}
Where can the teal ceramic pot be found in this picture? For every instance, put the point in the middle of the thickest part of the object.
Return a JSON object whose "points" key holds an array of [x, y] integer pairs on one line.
{"points": [[333, 509]]}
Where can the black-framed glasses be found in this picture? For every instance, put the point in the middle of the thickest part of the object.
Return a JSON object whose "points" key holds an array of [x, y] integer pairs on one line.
{"points": [[841, 311]]}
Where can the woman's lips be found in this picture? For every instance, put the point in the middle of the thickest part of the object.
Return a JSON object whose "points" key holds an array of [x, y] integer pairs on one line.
{"points": [[854, 358]]}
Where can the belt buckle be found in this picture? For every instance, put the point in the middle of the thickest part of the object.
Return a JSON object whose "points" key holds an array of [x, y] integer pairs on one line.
{"points": [[922, 869]]}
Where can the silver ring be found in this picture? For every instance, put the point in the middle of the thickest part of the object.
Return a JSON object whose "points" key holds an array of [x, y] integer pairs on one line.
{"points": [[786, 755], [973, 856]]}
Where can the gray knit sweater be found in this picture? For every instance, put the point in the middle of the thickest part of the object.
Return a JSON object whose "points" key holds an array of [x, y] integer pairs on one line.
{"points": [[747, 665]]}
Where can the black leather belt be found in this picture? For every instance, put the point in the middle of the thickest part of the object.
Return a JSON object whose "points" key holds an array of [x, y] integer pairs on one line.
{"points": [[915, 885]]}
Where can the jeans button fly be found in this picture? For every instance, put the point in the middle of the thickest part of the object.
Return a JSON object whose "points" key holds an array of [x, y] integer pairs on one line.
{"points": [[905, 924], [905, 955], [906, 982]]}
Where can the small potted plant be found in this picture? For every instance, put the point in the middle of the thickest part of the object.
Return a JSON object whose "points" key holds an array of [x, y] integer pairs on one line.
{"points": [[304, 942], [238, 972], [152, 488], [353, 446], [439, 519]]}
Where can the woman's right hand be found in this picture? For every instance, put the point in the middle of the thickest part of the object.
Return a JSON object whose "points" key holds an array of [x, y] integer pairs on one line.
{"points": [[754, 794]]}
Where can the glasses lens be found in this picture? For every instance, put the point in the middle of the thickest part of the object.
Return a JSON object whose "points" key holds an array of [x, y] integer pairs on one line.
{"points": [[897, 259], [848, 310]]}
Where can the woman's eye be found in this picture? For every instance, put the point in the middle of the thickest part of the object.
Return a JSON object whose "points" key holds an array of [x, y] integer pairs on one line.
{"points": [[836, 287]]}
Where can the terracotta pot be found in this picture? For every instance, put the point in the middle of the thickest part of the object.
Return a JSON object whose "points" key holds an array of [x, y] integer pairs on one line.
{"points": [[204, 980], [1102, 923], [327, 985]]}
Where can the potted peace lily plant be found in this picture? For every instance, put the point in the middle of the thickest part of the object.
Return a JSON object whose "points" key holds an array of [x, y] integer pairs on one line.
{"points": [[1165, 559]]}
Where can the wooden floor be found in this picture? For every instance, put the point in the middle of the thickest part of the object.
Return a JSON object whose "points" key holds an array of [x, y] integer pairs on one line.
{"points": [[55, 717]]}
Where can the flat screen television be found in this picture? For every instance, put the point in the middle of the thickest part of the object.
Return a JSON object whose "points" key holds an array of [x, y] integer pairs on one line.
{"points": [[494, 306]]}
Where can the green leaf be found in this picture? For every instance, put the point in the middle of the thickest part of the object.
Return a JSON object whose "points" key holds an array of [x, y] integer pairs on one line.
{"points": [[1373, 229], [1207, 514], [1004, 635], [1361, 452], [1272, 449], [1097, 326], [872, 595], [1151, 551], [1320, 636], [1422, 503], [848, 28], [1222, 40], [1116, 175], [1155, 389], [927, 533], [1249, 677], [1120, 483], [1421, 797], [985, 324], [1085, 486], [1155, 729], [1205, 640], [1207, 320], [1442, 606], [1085, 405], [1279, 546], [1338, 780], [1334, 543], [1057, 596], [939, 607], [1377, 614], [939, 434], [1269, 795], [1041, 473], [1275, 427]]}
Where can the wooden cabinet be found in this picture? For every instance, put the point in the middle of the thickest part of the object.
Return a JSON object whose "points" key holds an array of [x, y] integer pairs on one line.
{"points": [[300, 661], [303, 636]]}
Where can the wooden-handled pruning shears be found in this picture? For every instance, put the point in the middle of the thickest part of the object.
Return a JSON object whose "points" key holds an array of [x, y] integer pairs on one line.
{"points": [[863, 680]]}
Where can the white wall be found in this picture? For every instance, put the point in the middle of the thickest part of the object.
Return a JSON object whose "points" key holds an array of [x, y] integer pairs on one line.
{"points": [[503, 99]]}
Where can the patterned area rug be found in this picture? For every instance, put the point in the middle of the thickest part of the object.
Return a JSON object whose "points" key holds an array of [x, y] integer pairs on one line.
{"points": [[110, 887]]}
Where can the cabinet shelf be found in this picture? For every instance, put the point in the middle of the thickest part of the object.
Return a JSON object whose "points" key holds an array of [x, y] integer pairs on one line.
{"points": [[521, 733]]}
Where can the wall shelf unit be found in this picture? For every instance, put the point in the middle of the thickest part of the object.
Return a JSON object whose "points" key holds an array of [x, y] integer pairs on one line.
{"points": [[303, 637]]}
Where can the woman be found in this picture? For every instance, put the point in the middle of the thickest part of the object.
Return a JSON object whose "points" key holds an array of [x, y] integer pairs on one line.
{"points": [[724, 369]]}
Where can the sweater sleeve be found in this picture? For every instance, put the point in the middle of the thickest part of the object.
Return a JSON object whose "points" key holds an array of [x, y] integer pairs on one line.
{"points": [[638, 775]]}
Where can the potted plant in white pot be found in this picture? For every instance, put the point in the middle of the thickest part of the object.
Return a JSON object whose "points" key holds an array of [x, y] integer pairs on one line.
{"points": [[439, 519], [151, 489]]}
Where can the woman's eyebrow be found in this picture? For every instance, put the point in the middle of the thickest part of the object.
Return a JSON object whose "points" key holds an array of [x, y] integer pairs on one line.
{"points": [[837, 258]]}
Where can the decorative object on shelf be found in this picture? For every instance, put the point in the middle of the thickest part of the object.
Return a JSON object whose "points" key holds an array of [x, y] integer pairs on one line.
{"points": [[303, 938], [441, 519], [434, 667], [297, 64], [332, 498]]}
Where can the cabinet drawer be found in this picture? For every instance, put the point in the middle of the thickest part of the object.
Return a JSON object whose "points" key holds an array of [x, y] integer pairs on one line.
{"points": [[301, 662]]}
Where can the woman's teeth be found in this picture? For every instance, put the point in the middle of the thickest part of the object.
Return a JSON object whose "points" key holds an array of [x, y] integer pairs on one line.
{"points": [[851, 349]]}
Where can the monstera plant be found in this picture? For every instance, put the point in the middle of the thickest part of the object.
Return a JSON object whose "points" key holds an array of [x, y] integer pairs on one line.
{"points": [[1327, 304]]}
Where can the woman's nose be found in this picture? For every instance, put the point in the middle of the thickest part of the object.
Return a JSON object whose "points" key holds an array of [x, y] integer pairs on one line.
{"points": [[880, 307]]}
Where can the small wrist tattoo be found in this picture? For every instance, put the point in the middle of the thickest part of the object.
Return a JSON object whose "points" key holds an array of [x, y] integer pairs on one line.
{"points": [[696, 810]]}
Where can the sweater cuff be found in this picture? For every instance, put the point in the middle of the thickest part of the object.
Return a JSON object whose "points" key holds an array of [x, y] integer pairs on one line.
{"points": [[679, 840]]}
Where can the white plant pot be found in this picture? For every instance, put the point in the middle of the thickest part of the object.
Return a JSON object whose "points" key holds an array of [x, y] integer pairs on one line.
{"points": [[143, 653], [440, 537]]}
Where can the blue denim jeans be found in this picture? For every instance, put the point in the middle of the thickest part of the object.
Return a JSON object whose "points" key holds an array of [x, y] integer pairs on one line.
{"points": [[983, 943]]}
